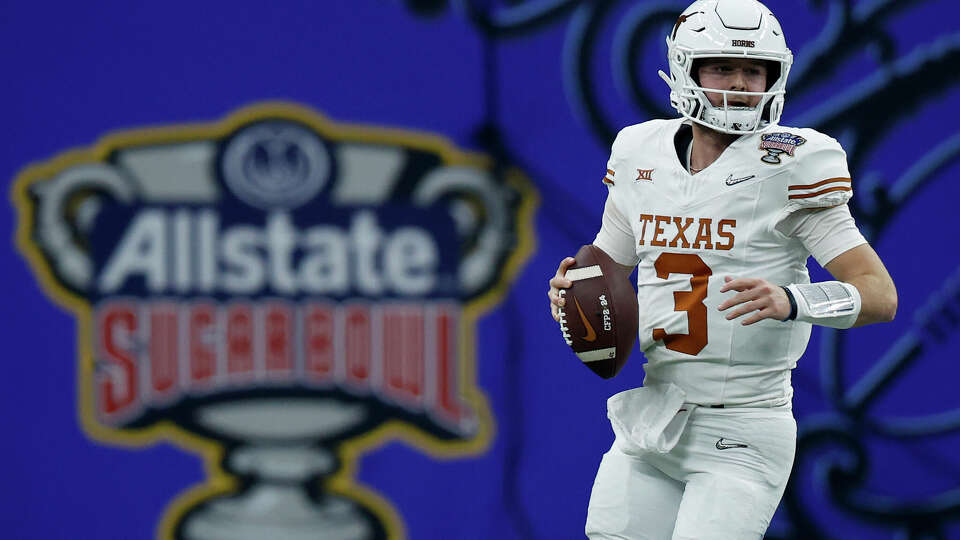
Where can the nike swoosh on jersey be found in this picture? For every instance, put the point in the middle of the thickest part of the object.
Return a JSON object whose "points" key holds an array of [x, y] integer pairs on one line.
{"points": [[728, 445], [733, 181], [591, 335]]}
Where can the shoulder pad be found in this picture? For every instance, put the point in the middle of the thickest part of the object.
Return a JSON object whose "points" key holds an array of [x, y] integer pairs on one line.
{"points": [[819, 176], [627, 138]]}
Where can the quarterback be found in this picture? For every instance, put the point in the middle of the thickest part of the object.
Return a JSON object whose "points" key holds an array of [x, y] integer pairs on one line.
{"points": [[718, 211]]}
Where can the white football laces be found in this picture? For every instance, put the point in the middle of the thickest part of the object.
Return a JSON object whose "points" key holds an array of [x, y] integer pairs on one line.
{"points": [[563, 321]]}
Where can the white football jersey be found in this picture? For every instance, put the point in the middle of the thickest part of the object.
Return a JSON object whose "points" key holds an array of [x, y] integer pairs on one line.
{"points": [[687, 232]]}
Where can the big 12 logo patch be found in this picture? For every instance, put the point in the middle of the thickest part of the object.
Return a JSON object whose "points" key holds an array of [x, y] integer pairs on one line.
{"points": [[280, 293]]}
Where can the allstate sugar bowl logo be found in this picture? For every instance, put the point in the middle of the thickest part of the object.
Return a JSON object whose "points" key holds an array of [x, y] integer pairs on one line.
{"points": [[279, 293]]}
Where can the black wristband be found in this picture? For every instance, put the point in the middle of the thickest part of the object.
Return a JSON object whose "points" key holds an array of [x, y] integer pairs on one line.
{"points": [[793, 304]]}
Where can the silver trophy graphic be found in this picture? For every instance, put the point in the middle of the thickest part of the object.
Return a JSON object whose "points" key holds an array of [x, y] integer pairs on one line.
{"points": [[283, 453]]}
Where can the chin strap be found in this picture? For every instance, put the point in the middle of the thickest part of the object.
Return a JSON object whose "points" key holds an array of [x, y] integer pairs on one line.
{"points": [[828, 303]]}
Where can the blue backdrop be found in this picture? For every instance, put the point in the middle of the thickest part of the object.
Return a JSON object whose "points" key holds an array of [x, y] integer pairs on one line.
{"points": [[489, 118]]}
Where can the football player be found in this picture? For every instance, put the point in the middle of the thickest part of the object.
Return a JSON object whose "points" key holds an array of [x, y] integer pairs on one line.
{"points": [[718, 211]]}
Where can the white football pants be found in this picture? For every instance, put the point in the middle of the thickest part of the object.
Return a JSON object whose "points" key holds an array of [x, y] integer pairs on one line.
{"points": [[723, 480]]}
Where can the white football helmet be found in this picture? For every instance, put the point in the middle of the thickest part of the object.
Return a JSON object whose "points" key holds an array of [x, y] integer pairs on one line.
{"points": [[727, 29]]}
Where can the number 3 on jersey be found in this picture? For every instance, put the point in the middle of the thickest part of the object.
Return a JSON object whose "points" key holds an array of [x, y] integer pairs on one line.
{"points": [[690, 301]]}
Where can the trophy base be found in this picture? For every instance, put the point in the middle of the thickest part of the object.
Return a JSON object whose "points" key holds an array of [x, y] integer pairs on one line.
{"points": [[277, 513]]}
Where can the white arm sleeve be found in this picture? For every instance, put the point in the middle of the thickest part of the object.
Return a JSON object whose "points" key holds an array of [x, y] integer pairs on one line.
{"points": [[616, 236], [825, 233]]}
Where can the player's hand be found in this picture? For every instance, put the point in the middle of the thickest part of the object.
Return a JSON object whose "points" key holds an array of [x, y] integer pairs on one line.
{"points": [[558, 282], [767, 300]]}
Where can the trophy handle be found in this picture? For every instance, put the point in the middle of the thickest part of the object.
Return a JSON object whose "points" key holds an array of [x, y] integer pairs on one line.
{"points": [[471, 188], [66, 207]]}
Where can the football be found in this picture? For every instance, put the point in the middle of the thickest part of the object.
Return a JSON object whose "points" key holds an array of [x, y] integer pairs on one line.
{"points": [[600, 314]]}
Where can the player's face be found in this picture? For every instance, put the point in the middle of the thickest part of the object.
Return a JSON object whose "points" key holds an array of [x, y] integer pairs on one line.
{"points": [[735, 74]]}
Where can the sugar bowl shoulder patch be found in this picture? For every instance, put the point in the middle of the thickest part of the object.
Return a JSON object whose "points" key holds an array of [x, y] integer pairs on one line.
{"points": [[776, 144]]}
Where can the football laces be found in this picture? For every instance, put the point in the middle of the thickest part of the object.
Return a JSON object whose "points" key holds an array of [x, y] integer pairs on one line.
{"points": [[563, 320]]}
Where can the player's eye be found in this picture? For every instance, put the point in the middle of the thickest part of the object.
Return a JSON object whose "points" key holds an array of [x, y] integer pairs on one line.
{"points": [[718, 70]]}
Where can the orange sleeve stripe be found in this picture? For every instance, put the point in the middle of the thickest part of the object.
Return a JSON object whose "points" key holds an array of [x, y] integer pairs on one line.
{"points": [[818, 184], [607, 181], [821, 192], [611, 173]]}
